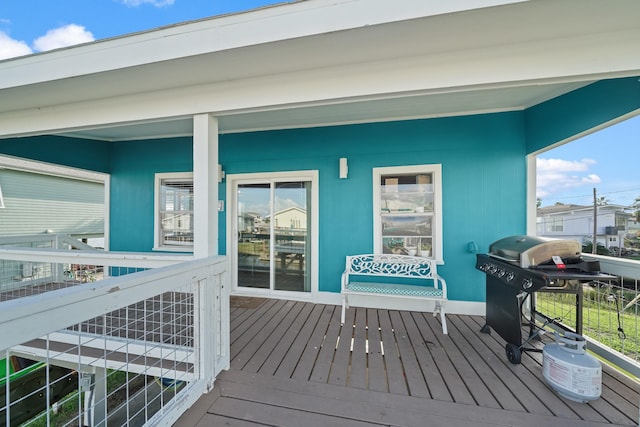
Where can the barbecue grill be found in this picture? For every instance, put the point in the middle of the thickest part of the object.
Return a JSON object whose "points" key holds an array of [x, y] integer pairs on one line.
{"points": [[518, 266]]}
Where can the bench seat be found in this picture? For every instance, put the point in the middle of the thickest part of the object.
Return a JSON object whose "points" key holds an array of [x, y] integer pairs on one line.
{"points": [[383, 274], [394, 289]]}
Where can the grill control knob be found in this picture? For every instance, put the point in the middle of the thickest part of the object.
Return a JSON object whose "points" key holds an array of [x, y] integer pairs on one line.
{"points": [[501, 273], [527, 283], [510, 276]]}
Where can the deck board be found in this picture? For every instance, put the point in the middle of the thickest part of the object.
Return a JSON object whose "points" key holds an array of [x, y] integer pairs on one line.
{"points": [[322, 366], [293, 364], [270, 336], [297, 350], [413, 371], [392, 360], [376, 369], [358, 371], [501, 381], [276, 356]]}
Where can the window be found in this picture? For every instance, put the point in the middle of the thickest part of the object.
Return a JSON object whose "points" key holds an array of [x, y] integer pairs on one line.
{"points": [[174, 211], [408, 210], [554, 223], [621, 221]]}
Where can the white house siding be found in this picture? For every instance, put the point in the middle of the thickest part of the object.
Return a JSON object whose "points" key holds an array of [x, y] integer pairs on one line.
{"points": [[35, 203], [292, 218], [577, 224]]}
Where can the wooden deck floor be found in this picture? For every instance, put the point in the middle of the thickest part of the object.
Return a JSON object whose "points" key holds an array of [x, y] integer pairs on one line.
{"points": [[292, 364]]}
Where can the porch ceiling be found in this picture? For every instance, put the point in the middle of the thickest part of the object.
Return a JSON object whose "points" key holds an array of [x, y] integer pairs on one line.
{"points": [[284, 67], [343, 112]]}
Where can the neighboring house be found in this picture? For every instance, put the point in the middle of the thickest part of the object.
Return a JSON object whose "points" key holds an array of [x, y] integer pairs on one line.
{"points": [[291, 218], [576, 222], [37, 198], [438, 108]]}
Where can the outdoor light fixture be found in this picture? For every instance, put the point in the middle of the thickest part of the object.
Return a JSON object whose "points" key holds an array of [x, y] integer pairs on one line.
{"points": [[344, 168]]}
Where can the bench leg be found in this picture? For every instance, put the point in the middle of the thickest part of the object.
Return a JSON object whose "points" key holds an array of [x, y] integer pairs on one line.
{"points": [[443, 319], [344, 308]]}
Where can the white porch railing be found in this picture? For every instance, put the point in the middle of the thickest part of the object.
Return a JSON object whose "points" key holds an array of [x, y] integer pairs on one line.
{"points": [[610, 311], [137, 344]]}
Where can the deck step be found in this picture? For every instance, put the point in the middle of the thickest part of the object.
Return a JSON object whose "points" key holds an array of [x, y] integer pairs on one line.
{"points": [[267, 400]]}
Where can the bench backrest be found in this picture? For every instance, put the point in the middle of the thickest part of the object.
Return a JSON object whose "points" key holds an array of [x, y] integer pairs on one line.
{"points": [[389, 265]]}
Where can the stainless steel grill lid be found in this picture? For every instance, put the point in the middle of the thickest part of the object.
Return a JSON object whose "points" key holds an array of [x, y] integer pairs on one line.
{"points": [[527, 251]]}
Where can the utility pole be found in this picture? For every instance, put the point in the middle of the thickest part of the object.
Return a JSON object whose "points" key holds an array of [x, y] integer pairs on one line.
{"points": [[595, 224]]}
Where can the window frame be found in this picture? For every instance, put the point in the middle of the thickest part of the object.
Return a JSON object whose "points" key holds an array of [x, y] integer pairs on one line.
{"points": [[436, 172], [158, 244]]}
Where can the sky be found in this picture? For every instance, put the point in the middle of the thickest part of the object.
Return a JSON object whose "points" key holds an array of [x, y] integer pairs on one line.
{"points": [[606, 160]]}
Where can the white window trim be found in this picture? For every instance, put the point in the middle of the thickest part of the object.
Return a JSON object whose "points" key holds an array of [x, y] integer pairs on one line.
{"points": [[1, 199], [232, 231], [436, 171], [157, 245]]}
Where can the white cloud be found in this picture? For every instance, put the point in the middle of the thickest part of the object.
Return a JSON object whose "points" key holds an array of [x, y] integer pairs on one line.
{"points": [[564, 165], [156, 3], [558, 176], [10, 48], [67, 35]]}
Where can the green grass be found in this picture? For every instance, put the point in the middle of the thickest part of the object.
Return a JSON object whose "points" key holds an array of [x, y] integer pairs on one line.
{"points": [[600, 317], [68, 406]]}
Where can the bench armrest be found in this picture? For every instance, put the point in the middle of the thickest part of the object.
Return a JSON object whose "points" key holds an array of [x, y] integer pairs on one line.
{"points": [[443, 284]]}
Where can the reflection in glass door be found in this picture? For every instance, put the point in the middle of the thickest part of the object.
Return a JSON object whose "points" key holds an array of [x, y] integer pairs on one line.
{"points": [[273, 244]]}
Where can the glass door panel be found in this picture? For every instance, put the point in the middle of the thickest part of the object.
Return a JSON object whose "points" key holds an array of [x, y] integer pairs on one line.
{"points": [[290, 225], [274, 242], [254, 241]]}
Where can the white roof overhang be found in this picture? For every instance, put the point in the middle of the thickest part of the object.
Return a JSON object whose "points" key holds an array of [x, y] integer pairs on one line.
{"points": [[321, 62]]}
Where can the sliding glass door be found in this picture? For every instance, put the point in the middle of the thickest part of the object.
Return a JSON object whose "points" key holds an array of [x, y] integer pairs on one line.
{"points": [[273, 232]]}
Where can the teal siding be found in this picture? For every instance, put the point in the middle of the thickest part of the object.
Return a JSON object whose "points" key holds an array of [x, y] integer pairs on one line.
{"points": [[483, 161], [35, 203], [484, 182], [133, 168], [578, 111], [73, 152]]}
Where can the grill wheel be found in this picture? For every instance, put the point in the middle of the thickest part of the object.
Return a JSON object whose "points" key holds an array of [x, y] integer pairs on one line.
{"points": [[514, 355]]}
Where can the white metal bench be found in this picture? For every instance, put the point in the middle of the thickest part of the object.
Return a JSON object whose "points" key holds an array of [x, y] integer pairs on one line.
{"points": [[383, 268]]}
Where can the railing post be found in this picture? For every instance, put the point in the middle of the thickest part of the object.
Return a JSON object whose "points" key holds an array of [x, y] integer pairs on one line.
{"points": [[222, 322], [206, 331]]}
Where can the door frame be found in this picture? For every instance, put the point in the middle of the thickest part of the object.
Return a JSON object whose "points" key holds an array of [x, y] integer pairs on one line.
{"points": [[232, 181]]}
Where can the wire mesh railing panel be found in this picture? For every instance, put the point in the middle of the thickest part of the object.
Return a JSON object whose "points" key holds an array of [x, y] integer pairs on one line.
{"points": [[124, 366], [609, 313]]}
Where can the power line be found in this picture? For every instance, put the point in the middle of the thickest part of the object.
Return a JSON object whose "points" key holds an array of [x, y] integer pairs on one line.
{"points": [[561, 196]]}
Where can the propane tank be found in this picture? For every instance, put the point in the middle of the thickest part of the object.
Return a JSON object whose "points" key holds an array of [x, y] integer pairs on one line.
{"points": [[569, 370]]}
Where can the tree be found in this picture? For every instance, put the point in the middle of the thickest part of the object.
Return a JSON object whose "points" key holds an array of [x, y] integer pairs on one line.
{"points": [[636, 207], [602, 201], [587, 247], [539, 202]]}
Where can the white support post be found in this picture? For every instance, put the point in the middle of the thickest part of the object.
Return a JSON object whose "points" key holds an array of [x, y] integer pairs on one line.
{"points": [[531, 195], [94, 385], [207, 332], [205, 185]]}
